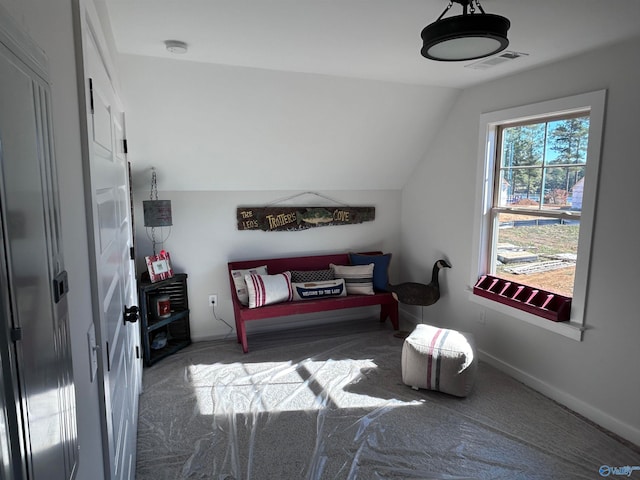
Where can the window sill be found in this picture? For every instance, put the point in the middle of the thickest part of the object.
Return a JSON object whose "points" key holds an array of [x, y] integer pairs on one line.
{"points": [[571, 330]]}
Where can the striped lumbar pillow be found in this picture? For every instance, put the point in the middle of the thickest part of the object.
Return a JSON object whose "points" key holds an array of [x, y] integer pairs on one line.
{"points": [[358, 278], [267, 289]]}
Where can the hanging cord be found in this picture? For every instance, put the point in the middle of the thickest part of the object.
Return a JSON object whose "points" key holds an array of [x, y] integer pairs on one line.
{"points": [[213, 309], [275, 202], [153, 195], [152, 237], [154, 191], [445, 11], [477, 2]]}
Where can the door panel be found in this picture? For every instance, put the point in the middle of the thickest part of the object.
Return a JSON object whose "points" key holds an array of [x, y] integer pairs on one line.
{"points": [[101, 123], [37, 359], [106, 218], [115, 287]]}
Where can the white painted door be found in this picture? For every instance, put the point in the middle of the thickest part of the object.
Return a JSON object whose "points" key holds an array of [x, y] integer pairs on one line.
{"points": [[38, 435], [115, 286]]}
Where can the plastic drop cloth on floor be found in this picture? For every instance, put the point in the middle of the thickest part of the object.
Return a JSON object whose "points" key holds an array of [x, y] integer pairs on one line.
{"points": [[329, 403]]}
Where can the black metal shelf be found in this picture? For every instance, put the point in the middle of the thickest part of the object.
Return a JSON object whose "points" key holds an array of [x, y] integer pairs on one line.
{"points": [[172, 347], [175, 326], [166, 321]]}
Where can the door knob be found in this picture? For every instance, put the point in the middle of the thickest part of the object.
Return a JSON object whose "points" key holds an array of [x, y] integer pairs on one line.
{"points": [[131, 314]]}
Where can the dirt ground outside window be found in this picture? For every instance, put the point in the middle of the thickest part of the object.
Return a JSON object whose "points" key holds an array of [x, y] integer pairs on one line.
{"points": [[545, 241], [555, 281]]}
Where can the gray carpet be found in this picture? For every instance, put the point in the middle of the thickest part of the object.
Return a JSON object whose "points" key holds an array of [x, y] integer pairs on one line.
{"points": [[328, 403]]}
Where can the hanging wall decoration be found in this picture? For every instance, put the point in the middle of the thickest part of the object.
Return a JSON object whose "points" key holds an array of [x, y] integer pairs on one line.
{"points": [[275, 218]]}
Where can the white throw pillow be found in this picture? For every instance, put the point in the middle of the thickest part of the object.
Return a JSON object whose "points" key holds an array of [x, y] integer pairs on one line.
{"points": [[358, 278], [241, 284], [268, 289]]}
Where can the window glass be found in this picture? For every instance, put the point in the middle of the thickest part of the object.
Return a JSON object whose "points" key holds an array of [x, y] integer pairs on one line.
{"points": [[537, 251], [538, 200]]}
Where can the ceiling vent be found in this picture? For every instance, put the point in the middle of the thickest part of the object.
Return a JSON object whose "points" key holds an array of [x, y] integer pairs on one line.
{"points": [[497, 60]]}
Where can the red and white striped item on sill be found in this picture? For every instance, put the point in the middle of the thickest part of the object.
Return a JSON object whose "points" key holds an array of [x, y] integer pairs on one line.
{"points": [[268, 289]]}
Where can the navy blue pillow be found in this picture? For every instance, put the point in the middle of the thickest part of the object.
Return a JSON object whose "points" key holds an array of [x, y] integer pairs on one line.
{"points": [[380, 268]]}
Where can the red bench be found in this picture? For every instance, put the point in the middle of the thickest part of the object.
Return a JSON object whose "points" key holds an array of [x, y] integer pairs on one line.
{"points": [[388, 304]]}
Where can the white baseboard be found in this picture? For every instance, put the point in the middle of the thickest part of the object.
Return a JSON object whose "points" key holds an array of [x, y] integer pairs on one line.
{"points": [[594, 414]]}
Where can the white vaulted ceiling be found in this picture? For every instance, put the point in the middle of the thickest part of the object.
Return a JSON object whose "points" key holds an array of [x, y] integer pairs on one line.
{"points": [[371, 39], [277, 85]]}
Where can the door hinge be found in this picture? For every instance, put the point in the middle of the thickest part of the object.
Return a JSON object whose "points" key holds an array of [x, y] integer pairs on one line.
{"points": [[91, 95], [137, 351], [60, 286], [132, 253], [125, 146], [108, 358], [16, 334]]}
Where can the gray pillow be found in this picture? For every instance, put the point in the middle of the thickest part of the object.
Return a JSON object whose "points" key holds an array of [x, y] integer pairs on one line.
{"points": [[304, 276]]}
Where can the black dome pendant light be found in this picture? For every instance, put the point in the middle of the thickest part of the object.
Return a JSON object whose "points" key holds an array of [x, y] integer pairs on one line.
{"points": [[465, 37]]}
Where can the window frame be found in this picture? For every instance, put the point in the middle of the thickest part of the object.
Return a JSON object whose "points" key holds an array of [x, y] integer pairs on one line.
{"points": [[592, 102]]}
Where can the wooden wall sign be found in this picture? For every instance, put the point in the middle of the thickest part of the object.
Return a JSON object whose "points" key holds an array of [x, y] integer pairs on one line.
{"points": [[276, 218]]}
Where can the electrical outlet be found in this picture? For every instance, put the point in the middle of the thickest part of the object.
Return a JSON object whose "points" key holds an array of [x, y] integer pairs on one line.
{"points": [[213, 300]]}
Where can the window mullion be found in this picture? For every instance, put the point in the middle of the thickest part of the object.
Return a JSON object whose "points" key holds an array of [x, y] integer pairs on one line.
{"points": [[543, 170]]}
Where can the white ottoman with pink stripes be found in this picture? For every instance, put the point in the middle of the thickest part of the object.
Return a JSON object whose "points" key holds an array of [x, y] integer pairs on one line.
{"points": [[439, 359]]}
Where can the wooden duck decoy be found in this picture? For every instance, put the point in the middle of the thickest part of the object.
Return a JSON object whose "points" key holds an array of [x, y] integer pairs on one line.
{"points": [[413, 293]]}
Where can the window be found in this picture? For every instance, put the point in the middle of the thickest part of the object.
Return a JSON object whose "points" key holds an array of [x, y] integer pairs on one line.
{"points": [[537, 201], [538, 175]]}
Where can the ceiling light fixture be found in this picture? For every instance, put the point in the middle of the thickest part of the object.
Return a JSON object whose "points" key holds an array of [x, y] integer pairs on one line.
{"points": [[176, 46], [465, 37]]}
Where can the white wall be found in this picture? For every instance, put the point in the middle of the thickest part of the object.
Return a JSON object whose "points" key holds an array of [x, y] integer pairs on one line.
{"points": [[204, 238], [222, 136], [599, 376], [214, 127], [50, 25]]}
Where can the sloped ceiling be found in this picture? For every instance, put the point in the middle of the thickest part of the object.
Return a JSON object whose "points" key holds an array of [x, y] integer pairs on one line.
{"points": [[212, 127], [276, 94]]}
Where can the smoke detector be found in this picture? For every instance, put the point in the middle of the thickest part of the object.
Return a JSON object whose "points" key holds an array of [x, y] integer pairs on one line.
{"points": [[176, 46]]}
